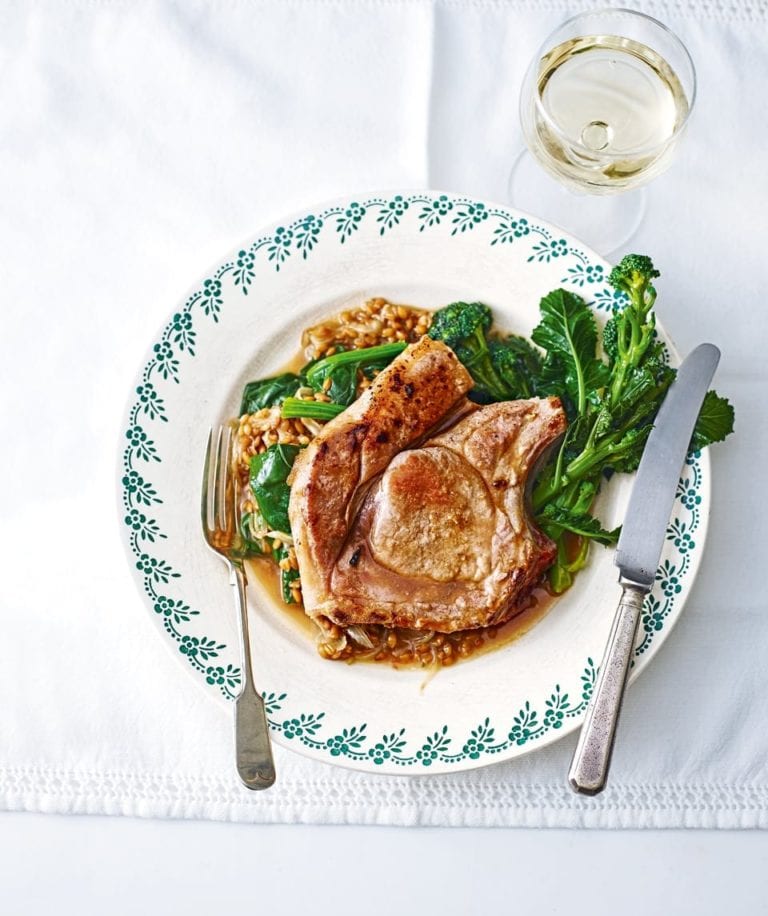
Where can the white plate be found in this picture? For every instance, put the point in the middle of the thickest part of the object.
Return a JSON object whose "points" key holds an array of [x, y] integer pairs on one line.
{"points": [[243, 321]]}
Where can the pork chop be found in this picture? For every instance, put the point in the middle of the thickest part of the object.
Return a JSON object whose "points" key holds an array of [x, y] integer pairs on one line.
{"points": [[408, 509]]}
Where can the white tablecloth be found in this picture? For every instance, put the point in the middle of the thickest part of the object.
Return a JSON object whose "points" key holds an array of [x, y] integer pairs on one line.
{"points": [[140, 143]]}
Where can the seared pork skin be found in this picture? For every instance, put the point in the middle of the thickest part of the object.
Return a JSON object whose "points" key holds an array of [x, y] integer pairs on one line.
{"points": [[408, 509]]}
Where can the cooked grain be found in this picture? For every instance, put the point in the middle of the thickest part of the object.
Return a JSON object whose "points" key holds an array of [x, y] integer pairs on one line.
{"points": [[374, 323]]}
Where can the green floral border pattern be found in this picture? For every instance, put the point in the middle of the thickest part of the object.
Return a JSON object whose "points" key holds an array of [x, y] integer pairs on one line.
{"points": [[177, 343]]}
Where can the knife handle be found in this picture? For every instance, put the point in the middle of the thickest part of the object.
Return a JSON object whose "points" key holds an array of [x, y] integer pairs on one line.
{"points": [[592, 757]]}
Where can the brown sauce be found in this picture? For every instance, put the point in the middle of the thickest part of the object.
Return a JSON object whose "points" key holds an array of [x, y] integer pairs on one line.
{"points": [[267, 575], [294, 364], [540, 602]]}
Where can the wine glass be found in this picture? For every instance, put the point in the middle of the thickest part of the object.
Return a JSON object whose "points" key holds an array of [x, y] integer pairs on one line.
{"points": [[603, 105]]}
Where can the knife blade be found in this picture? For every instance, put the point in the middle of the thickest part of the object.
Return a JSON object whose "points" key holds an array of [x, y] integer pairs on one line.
{"points": [[653, 493], [637, 557]]}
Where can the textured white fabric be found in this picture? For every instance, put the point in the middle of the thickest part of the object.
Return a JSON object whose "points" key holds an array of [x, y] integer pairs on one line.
{"points": [[141, 142]]}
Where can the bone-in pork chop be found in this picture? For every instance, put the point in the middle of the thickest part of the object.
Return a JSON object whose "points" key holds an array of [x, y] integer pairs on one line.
{"points": [[408, 509]]}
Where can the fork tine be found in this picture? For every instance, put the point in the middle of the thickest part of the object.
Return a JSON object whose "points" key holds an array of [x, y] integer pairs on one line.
{"points": [[205, 489], [222, 491], [216, 479], [230, 490]]}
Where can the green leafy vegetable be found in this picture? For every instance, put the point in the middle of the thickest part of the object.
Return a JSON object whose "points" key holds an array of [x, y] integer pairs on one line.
{"points": [[463, 326], [568, 333], [555, 519], [267, 392], [616, 404], [246, 543], [268, 480], [517, 364], [342, 370], [316, 410], [715, 421], [287, 576], [343, 388]]}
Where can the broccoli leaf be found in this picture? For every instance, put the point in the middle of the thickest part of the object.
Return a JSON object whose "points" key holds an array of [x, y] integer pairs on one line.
{"points": [[567, 331], [625, 454], [639, 395], [268, 480], [715, 421], [554, 519], [267, 392], [552, 381]]}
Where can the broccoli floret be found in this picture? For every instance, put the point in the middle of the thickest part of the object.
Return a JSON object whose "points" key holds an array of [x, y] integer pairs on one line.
{"points": [[517, 363], [462, 326], [633, 275], [459, 321], [611, 339], [632, 330]]}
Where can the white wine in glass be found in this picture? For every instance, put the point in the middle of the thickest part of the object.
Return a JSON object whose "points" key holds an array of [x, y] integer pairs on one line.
{"points": [[602, 107]]}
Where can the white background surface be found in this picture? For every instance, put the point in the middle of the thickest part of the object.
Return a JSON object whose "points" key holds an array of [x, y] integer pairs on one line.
{"points": [[121, 867], [139, 144]]}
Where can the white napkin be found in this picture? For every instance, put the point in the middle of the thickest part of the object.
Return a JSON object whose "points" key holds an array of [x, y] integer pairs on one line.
{"points": [[142, 142]]}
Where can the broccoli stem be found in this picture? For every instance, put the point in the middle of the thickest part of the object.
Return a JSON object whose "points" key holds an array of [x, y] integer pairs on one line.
{"points": [[597, 451], [563, 570], [631, 353], [636, 323], [590, 459], [582, 399]]}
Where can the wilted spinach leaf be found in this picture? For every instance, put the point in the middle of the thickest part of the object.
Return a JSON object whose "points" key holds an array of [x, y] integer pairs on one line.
{"points": [[267, 392], [269, 473]]}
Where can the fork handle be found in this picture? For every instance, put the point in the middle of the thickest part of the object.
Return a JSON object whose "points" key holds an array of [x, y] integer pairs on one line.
{"points": [[253, 748]]}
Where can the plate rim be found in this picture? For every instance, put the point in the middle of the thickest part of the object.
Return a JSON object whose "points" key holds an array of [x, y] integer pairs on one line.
{"points": [[359, 763]]}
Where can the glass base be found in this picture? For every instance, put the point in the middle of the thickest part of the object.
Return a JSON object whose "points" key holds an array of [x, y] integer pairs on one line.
{"points": [[605, 223]]}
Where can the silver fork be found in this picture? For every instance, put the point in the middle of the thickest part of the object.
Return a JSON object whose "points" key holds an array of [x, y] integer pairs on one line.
{"points": [[253, 750]]}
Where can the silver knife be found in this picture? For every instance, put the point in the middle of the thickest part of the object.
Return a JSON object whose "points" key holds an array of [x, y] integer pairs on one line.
{"points": [[637, 556]]}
